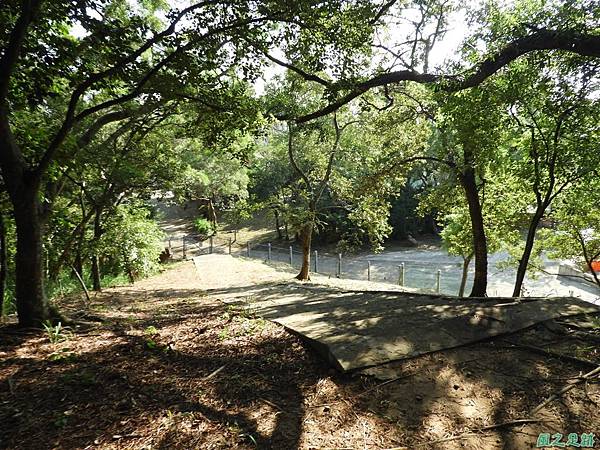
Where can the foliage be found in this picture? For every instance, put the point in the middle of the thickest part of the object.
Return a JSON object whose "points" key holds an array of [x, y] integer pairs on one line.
{"points": [[132, 243], [502, 203], [576, 231], [55, 333], [203, 226]]}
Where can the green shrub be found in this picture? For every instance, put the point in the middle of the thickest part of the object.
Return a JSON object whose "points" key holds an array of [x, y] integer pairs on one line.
{"points": [[133, 242], [203, 226]]}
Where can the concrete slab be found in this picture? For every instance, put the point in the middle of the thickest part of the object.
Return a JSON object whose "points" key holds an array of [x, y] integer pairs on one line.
{"points": [[357, 329]]}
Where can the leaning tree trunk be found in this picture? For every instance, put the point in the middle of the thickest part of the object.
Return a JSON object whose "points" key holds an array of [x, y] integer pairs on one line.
{"points": [[96, 283], [68, 247], [306, 238], [3, 263], [524, 261], [479, 239], [465, 273], [32, 304], [78, 260]]}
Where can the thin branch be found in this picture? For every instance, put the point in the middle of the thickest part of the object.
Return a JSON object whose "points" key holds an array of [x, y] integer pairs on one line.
{"points": [[382, 11], [293, 160], [307, 76], [591, 374], [71, 119]]}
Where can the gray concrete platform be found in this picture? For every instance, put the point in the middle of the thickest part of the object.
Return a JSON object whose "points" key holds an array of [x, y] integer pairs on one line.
{"points": [[356, 329]]}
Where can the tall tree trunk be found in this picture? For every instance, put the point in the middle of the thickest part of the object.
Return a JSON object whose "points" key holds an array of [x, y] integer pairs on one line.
{"points": [[277, 224], [467, 179], [465, 273], [3, 262], [524, 261], [78, 260], [212, 214], [32, 304], [96, 284], [128, 268], [306, 238], [96, 278]]}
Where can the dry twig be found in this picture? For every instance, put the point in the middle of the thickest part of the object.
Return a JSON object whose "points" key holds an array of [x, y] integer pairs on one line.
{"points": [[566, 389]]}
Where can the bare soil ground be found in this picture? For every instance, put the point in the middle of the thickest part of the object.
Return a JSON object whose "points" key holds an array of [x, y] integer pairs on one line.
{"points": [[171, 367]]}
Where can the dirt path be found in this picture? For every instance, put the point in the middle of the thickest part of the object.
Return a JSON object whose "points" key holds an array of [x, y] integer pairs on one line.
{"points": [[172, 367]]}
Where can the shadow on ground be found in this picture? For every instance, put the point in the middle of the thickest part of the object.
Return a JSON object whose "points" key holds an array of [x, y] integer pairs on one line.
{"points": [[173, 368]]}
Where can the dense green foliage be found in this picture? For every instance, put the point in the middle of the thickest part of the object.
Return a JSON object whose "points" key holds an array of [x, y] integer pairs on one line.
{"points": [[203, 226]]}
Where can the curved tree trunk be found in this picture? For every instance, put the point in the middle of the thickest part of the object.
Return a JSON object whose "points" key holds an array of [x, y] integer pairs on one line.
{"points": [[524, 261], [465, 273], [480, 252], [306, 238]]}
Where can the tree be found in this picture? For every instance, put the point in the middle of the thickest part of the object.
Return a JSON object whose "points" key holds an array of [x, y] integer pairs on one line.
{"points": [[576, 231], [466, 129], [313, 191], [132, 242], [557, 117], [502, 204], [138, 62]]}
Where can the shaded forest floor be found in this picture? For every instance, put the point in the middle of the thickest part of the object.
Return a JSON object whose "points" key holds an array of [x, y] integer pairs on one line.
{"points": [[166, 366]]}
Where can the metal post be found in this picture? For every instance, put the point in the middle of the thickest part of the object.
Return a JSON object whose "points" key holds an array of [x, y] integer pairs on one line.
{"points": [[248, 248], [234, 235], [230, 246], [316, 261], [183, 247], [368, 270], [210, 243], [339, 265], [269, 251], [401, 274], [291, 256], [437, 281]]}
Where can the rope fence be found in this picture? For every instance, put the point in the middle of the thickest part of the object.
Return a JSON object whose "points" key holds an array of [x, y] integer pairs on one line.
{"points": [[442, 275], [415, 274], [427, 276]]}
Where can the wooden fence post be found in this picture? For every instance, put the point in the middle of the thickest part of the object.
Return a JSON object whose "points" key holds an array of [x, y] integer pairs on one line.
{"points": [[401, 274]]}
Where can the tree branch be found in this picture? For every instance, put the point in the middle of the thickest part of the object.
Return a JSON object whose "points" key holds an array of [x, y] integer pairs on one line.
{"points": [[10, 56], [293, 160], [570, 41], [307, 76]]}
